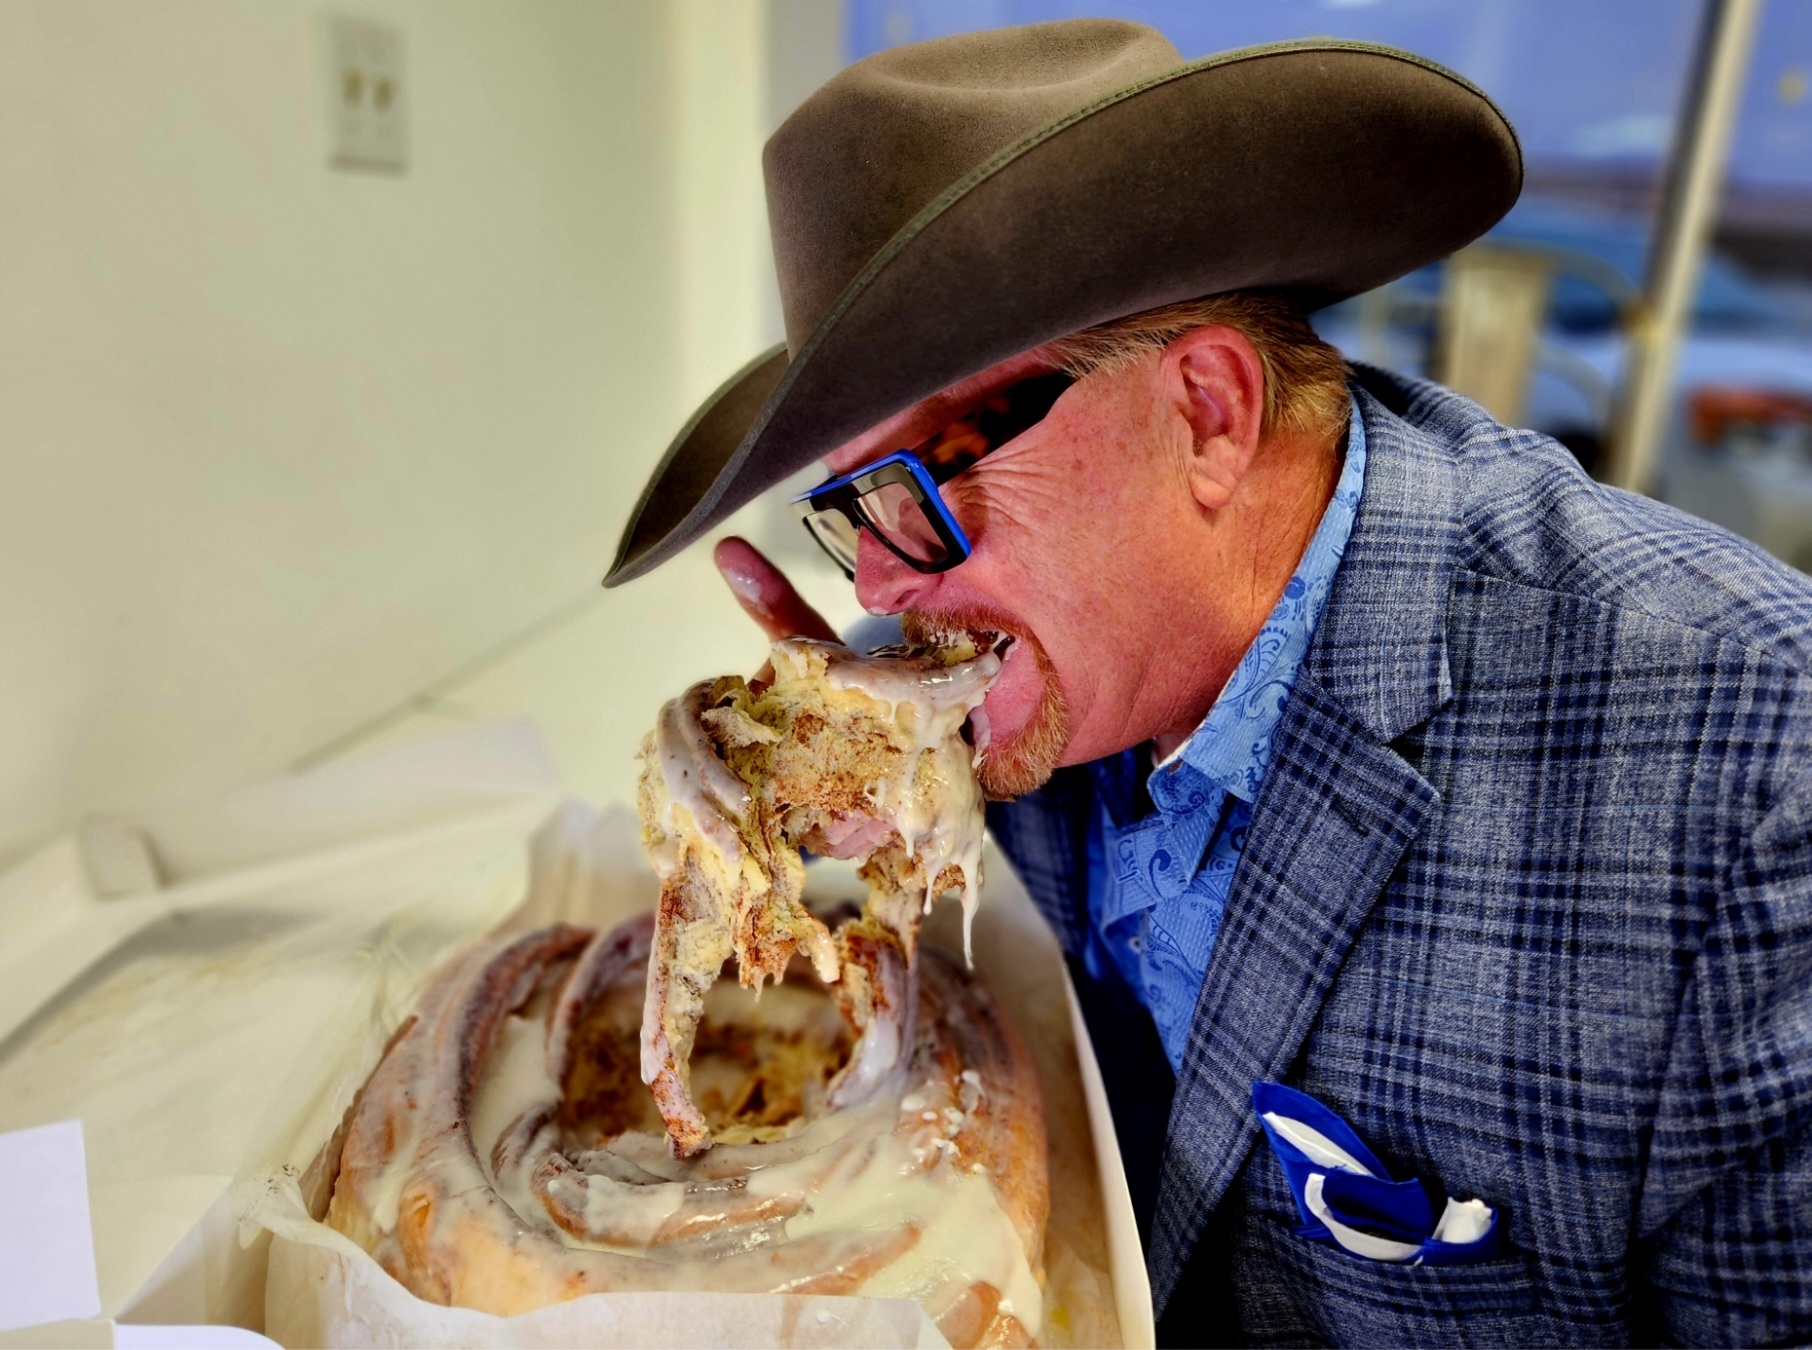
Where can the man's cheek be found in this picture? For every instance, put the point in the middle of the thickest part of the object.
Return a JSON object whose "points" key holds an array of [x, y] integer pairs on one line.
{"points": [[1099, 573]]}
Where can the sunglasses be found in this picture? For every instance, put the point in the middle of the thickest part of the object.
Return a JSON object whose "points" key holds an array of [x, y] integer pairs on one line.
{"points": [[896, 498]]}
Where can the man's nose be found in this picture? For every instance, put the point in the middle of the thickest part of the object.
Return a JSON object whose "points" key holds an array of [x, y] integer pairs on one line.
{"points": [[884, 584]]}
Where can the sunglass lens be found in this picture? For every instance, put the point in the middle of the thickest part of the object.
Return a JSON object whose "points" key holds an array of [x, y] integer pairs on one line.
{"points": [[894, 513], [836, 535]]}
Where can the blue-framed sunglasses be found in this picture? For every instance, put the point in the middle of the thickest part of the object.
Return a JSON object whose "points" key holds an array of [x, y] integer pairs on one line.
{"points": [[896, 498]]}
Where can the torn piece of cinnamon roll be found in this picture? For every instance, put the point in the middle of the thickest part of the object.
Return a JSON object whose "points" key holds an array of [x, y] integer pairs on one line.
{"points": [[845, 755]]}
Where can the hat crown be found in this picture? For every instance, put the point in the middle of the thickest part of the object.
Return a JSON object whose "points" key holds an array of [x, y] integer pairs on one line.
{"points": [[887, 136]]}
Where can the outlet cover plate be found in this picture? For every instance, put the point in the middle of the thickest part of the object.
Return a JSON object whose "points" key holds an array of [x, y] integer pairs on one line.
{"points": [[367, 114]]}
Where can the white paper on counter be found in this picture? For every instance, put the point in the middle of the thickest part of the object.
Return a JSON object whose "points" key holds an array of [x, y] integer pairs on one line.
{"points": [[127, 1336], [49, 1297], [46, 1247]]}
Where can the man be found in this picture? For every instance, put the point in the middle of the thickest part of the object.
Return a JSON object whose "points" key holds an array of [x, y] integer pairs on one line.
{"points": [[1356, 743]]}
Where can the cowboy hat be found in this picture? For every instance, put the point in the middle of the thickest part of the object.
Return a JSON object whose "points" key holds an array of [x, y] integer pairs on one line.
{"points": [[940, 207]]}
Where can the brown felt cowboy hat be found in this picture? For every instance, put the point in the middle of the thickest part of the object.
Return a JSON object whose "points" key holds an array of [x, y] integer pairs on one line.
{"points": [[940, 207]]}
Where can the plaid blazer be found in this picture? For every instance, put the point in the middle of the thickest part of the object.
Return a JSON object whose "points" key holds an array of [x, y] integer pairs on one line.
{"points": [[1527, 899]]}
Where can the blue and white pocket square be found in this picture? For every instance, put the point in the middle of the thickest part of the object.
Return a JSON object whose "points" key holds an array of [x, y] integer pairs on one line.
{"points": [[1349, 1200]]}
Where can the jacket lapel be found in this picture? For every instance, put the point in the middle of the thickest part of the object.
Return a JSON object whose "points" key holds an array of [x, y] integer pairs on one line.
{"points": [[1338, 809]]}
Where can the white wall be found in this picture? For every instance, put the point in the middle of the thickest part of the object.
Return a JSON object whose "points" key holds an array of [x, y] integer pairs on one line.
{"points": [[281, 444], [805, 48], [720, 215]]}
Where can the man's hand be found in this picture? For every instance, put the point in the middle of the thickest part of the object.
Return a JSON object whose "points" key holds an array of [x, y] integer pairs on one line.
{"points": [[767, 597]]}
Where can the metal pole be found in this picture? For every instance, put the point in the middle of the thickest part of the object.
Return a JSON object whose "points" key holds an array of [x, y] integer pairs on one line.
{"points": [[1689, 204]]}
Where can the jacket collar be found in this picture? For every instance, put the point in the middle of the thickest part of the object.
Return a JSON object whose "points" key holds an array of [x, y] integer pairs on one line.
{"points": [[1337, 812], [1381, 649]]}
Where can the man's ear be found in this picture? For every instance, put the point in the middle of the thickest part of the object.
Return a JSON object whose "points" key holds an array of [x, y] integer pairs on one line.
{"points": [[1217, 384]]}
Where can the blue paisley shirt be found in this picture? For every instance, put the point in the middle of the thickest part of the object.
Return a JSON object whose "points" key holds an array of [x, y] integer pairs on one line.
{"points": [[1161, 860]]}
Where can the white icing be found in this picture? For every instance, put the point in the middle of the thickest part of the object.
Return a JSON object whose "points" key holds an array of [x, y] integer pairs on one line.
{"points": [[518, 1081], [389, 1193], [638, 1210], [698, 784], [964, 1236], [938, 694], [933, 800]]}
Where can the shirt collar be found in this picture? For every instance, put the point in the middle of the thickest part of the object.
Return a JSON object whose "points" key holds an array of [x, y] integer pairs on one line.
{"points": [[1231, 748]]}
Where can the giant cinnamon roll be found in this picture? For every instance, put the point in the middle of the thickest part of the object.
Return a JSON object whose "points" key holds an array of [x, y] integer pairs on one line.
{"points": [[505, 1155], [872, 1125]]}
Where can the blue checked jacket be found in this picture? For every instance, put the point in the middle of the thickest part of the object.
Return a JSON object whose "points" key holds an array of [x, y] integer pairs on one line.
{"points": [[1527, 899]]}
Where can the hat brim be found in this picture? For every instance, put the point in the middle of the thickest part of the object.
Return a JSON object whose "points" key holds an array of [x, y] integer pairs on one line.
{"points": [[1319, 168]]}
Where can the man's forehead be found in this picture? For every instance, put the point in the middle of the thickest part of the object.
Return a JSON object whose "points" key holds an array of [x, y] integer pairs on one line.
{"points": [[908, 427]]}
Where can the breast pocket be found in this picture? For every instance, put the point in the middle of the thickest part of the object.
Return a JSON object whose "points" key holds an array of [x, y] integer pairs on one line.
{"points": [[1360, 1302]]}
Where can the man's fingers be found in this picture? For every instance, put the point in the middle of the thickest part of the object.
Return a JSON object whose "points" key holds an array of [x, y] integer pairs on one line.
{"points": [[766, 595]]}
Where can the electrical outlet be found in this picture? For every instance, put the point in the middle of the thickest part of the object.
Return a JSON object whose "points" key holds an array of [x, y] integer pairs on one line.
{"points": [[367, 126]]}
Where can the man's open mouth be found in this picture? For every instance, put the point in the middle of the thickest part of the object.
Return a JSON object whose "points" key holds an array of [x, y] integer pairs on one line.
{"points": [[975, 730], [962, 638], [983, 639]]}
